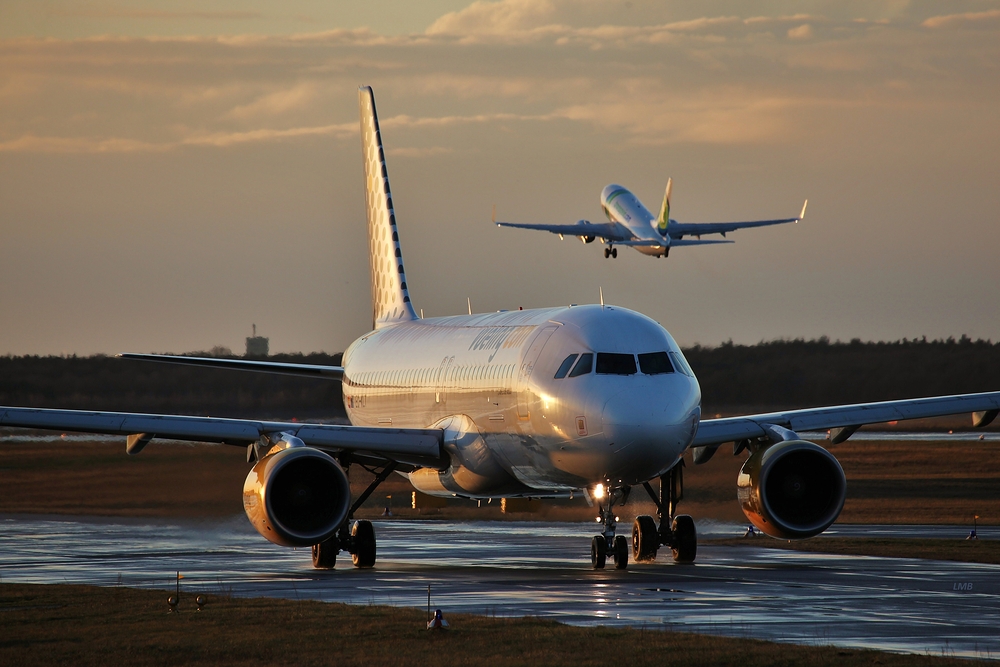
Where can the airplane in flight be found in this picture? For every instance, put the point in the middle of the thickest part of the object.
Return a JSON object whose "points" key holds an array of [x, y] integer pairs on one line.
{"points": [[630, 223], [595, 400]]}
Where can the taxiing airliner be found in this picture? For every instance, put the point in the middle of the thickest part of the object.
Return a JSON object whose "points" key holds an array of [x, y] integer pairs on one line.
{"points": [[631, 224], [595, 399]]}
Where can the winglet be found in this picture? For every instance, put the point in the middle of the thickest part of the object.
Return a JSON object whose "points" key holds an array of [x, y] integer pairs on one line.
{"points": [[664, 219], [803, 213]]}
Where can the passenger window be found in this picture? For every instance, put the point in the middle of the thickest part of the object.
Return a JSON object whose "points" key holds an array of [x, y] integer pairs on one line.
{"points": [[565, 366], [583, 366], [655, 363], [609, 363]]}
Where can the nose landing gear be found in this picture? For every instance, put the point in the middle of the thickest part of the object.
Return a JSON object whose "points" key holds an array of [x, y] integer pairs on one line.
{"points": [[675, 531], [607, 543]]}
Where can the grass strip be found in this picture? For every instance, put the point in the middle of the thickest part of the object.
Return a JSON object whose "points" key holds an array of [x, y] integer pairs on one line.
{"points": [[968, 551], [83, 625]]}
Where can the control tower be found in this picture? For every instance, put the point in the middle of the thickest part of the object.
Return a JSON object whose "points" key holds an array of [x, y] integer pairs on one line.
{"points": [[257, 346]]}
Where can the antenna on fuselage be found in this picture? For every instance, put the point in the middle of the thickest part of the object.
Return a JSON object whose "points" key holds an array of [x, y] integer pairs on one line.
{"points": [[469, 299], [602, 296]]}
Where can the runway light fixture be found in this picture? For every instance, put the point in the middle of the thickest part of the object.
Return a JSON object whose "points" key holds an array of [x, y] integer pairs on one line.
{"points": [[599, 491]]}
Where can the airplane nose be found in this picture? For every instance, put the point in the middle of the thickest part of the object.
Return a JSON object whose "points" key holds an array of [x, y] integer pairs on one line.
{"points": [[631, 419]]}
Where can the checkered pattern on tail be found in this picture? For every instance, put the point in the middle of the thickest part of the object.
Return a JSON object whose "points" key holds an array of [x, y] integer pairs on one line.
{"points": [[390, 299]]}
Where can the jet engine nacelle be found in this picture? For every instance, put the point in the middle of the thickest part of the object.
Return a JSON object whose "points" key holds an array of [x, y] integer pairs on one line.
{"points": [[297, 497], [792, 489]]}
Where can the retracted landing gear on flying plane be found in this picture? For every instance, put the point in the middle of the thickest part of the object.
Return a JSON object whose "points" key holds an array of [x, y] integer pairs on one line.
{"points": [[355, 537], [675, 531], [607, 544]]}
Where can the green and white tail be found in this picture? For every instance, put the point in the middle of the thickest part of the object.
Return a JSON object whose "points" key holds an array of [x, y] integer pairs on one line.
{"points": [[390, 299], [664, 219]]}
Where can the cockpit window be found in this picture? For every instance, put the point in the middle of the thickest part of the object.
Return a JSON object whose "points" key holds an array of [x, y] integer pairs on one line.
{"points": [[609, 363], [681, 363], [565, 366], [655, 363], [583, 366]]}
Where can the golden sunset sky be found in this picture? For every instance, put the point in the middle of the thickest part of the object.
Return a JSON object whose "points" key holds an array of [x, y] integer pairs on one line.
{"points": [[172, 172]]}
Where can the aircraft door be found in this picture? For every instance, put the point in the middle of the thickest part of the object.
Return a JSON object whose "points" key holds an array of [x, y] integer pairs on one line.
{"points": [[527, 365]]}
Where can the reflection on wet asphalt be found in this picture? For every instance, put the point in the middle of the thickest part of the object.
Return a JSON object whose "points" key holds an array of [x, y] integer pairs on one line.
{"points": [[542, 569]]}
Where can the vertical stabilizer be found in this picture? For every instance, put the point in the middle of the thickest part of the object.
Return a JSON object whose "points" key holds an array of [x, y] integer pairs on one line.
{"points": [[390, 299], [664, 219]]}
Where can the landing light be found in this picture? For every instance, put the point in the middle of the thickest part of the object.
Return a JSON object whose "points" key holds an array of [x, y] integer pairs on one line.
{"points": [[599, 491]]}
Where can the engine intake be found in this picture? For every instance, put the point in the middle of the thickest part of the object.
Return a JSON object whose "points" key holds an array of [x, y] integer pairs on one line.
{"points": [[793, 489], [297, 497]]}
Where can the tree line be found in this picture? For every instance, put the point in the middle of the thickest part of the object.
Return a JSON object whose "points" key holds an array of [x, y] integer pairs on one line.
{"points": [[734, 378]]}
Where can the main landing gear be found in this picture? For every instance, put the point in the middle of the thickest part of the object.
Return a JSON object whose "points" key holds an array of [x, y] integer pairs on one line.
{"points": [[675, 531], [610, 251], [355, 537], [607, 544]]}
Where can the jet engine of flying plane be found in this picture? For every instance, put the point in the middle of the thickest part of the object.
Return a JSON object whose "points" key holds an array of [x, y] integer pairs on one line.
{"points": [[631, 224], [538, 403]]}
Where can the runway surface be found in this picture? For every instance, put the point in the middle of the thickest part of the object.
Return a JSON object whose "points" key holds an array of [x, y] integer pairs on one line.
{"points": [[542, 569]]}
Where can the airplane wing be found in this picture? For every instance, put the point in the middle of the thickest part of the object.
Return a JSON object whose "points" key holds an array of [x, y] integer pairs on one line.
{"points": [[416, 447], [678, 230], [713, 432], [684, 242], [274, 367], [610, 231]]}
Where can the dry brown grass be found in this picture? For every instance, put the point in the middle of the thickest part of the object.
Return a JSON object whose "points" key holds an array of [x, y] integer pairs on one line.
{"points": [[81, 626]]}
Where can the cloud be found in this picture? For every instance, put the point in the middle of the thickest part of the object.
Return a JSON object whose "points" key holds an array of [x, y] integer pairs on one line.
{"points": [[127, 13], [278, 102], [35, 144], [962, 20], [804, 31], [411, 152]]}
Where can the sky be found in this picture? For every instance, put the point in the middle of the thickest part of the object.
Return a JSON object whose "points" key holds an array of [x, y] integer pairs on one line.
{"points": [[173, 172]]}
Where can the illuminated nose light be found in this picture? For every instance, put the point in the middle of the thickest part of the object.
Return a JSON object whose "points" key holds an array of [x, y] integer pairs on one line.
{"points": [[599, 491]]}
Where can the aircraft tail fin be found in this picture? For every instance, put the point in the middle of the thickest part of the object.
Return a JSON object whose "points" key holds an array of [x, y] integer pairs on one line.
{"points": [[390, 298], [664, 219]]}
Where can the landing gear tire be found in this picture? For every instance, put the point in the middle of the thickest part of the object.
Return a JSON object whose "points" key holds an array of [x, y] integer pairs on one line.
{"points": [[364, 544], [614, 252], [598, 552], [607, 253], [645, 539], [325, 554], [685, 546], [621, 553]]}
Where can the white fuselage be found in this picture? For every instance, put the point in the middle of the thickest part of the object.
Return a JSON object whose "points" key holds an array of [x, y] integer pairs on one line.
{"points": [[511, 426], [623, 207]]}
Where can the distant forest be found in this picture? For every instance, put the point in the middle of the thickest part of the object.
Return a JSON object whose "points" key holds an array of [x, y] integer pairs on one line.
{"points": [[734, 378]]}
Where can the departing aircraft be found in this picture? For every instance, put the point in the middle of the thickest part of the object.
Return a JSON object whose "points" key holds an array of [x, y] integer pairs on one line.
{"points": [[594, 400], [631, 224]]}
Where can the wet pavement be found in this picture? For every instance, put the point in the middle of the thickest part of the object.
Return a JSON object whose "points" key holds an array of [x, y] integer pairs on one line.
{"points": [[542, 569]]}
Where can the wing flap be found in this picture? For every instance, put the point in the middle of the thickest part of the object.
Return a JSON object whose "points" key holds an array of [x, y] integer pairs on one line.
{"points": [[718, 431]]}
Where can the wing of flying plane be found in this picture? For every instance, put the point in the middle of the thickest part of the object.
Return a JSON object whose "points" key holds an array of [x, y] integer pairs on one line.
{"points": [[678, 230], [609, 231]]}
